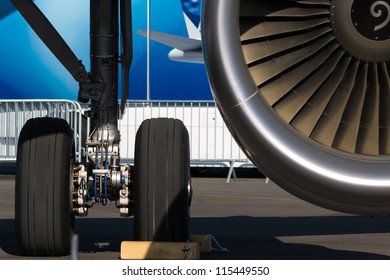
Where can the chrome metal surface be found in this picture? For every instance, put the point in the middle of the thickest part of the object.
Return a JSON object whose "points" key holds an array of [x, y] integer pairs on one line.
{"points": [[353, 181], [15, 113]]}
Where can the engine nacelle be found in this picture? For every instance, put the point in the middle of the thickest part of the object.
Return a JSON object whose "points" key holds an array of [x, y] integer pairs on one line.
{"points": [[304, 88]]}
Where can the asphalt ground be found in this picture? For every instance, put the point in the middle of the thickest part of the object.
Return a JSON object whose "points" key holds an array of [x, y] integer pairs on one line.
{"points": [[251, 219]]}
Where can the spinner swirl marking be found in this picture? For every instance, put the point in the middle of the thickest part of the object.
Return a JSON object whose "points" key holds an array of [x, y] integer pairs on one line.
{"points": [[378, 13]]}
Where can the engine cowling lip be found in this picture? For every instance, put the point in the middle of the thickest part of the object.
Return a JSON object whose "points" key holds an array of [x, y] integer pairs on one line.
{"points": [[342, 182]]}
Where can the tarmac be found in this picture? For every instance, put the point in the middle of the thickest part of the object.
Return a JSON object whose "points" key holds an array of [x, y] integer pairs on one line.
{"points": [[249, 219]]}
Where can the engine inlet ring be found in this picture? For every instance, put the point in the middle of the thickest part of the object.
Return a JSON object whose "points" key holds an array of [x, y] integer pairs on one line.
{"points": [[356, 181]]}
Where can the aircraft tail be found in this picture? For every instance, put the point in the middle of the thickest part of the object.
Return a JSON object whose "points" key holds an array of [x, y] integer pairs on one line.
{"points": [[185, 49], [192, 10]]}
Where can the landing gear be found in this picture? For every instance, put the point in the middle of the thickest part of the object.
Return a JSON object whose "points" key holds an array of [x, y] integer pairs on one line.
{"points": [[43, 208], [51, 189], [162, 166]]}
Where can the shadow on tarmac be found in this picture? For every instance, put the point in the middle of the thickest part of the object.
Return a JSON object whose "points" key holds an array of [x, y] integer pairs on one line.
{"points": [[246, 237]]}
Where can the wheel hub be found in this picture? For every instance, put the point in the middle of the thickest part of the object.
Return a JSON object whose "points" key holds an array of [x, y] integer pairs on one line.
{"points": [[363, 28]]}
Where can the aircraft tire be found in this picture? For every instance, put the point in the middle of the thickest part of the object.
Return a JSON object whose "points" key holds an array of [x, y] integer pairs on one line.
{"points": [[43, 213], [162, 165]]}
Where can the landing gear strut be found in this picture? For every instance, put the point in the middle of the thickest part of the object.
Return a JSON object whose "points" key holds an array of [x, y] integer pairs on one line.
{"points": [[51, 189]]}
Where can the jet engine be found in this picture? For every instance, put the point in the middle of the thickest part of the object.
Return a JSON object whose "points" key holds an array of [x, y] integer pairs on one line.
{"points": [[304, 87]]}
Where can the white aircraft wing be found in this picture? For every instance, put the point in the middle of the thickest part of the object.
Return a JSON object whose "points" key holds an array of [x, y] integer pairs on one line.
{"points": [[184, 49], [184, 44]]}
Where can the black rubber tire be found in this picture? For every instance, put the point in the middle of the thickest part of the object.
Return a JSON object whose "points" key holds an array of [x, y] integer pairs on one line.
{"points": [[44, 216], [162, 174]]}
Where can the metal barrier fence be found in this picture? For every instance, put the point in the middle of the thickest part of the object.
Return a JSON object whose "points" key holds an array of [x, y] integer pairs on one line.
{"points": [[15, 113], [210, 141]]}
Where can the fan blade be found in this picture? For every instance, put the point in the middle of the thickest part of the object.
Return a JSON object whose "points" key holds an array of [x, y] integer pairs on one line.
{"points": [[347, 135], [270, 46], [369, 127], [310, 115], [327, 126], [314, 71], [263, 72], [385, 112], [254, 28]]}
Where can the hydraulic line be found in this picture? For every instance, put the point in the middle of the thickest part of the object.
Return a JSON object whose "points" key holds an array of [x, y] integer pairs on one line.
{"points": [[105, 179], [95, 175]]}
